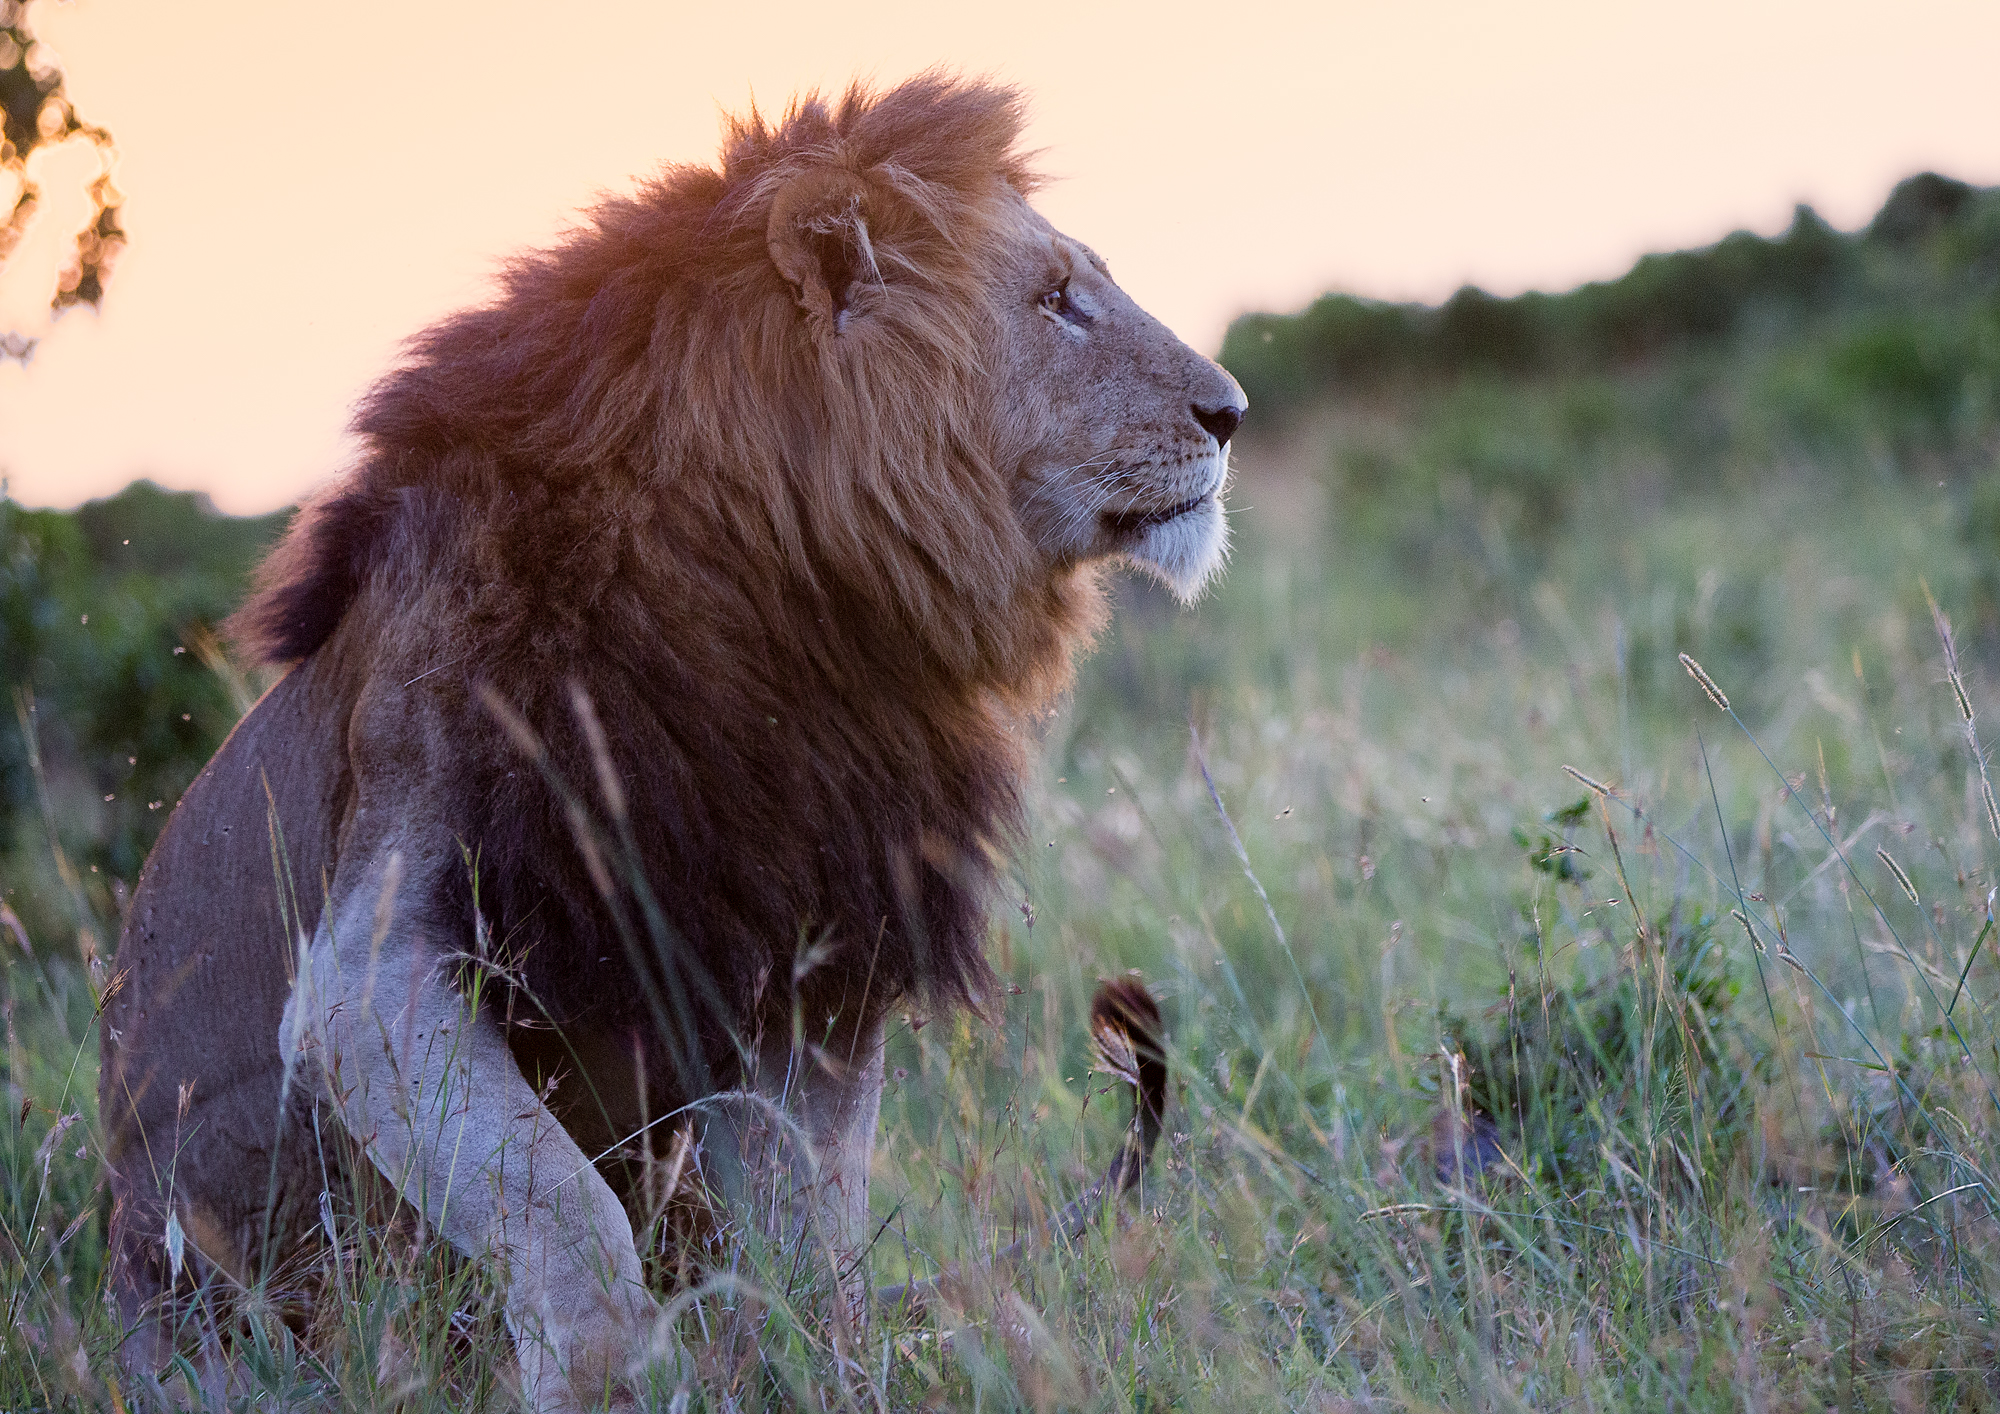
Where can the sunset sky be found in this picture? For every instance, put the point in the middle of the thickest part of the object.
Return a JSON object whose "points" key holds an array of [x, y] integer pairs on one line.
{"points": [[306, 186]]}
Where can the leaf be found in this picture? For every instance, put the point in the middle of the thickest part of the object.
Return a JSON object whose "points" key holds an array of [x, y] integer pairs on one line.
{"points": [[1847, 1060], [12, 924], [1570, 816]]}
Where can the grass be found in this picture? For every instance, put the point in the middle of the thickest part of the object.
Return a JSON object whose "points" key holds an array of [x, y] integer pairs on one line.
{"points": [[1484, 1095]]}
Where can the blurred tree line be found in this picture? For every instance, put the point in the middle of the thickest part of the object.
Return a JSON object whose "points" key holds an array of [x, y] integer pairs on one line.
{"points": [[1910, 305], [117, 690], [1469, 443]]}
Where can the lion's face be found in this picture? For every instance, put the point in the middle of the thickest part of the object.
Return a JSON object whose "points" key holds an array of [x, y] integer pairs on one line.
{"points": [[1117, 432], [1112, 435]]}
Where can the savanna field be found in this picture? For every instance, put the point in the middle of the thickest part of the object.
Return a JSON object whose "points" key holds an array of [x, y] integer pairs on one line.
{"points": [[1544, 1032]]}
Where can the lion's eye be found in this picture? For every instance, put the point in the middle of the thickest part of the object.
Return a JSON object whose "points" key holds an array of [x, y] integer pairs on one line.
{"points": [[1058, 303]]}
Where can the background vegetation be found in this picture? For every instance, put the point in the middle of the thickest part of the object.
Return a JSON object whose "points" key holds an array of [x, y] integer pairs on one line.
{"points": [[1664, 1080]]}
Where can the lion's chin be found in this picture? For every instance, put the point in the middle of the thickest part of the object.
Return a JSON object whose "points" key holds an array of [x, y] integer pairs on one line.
{"points": [[1184, 553]]}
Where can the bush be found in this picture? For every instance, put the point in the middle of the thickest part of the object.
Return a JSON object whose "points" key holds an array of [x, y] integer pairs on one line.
{"points": [[117, 690]]}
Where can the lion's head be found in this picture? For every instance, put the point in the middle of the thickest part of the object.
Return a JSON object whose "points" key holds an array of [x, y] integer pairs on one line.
{"points": [[858, 353], [1110, 434]]}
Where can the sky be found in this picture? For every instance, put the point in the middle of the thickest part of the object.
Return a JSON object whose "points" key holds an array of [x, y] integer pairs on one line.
{"points": [[307, 186]]}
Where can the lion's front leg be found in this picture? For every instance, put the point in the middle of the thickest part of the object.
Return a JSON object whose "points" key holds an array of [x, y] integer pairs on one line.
{"points": [[791, 1151], [840, 1102], [431, 1091]]}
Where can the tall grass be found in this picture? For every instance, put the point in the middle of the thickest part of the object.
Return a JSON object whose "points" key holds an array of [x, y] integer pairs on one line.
{"points": [[1666, 1080]]}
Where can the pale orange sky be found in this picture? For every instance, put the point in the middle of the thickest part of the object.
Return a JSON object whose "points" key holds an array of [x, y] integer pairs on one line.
{"points": [[306, 186]]}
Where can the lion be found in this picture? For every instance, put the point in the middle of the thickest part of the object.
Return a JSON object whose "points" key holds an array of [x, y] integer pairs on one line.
{"points": [[659, 683]]}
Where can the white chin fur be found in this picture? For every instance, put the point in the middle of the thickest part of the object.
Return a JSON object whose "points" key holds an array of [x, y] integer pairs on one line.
{"points": [[1185, 553]]}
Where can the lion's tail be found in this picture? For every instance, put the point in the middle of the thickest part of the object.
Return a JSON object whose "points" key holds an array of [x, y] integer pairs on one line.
{"points": [[1129, 1040]]}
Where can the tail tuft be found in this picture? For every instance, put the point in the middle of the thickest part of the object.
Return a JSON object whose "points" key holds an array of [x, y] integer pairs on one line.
{"points": [[1129, 1040]]}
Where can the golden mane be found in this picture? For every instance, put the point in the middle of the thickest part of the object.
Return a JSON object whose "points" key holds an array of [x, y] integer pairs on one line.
{"points": [[775, 553]]}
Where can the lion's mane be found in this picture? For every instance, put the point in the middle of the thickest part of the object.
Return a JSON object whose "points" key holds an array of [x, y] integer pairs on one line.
{"points": [[779, 562]]}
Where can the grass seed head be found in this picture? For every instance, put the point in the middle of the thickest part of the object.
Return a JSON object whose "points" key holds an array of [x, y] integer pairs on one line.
{"points": [[1889, 862], [176, 1243], [1700, 675], [1598, 786]]}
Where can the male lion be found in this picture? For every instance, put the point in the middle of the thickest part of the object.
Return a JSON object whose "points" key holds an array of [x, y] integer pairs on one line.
{"points": [[663, 675]]}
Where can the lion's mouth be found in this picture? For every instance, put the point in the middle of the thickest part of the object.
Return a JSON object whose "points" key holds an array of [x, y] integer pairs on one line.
{"points": [[1132, 522]]}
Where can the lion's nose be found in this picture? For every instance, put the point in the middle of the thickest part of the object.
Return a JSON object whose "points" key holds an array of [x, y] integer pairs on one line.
{"points": [[1220, 422]]}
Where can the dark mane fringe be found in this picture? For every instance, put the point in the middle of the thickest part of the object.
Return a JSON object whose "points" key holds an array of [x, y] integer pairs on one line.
{"points": [[780, 567]]}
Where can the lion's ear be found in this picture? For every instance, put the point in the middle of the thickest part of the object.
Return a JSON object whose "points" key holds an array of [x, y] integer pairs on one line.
{"points": [[818, 238]]}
